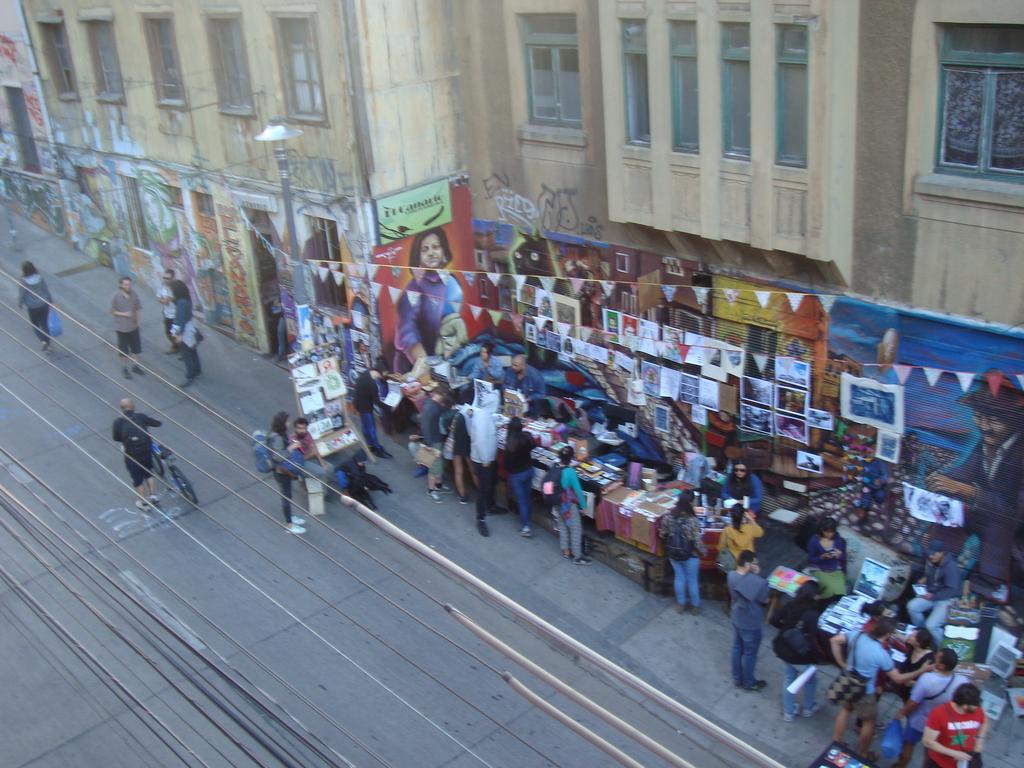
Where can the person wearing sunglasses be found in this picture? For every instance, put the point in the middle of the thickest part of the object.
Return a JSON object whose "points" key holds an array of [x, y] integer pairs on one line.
{"points": [[743, 484], [954, 733]]}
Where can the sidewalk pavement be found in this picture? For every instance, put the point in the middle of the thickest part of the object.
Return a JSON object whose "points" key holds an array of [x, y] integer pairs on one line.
{"points": [[685, 656]]}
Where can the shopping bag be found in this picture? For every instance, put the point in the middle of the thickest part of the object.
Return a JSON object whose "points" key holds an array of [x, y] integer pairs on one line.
{"points": [[892, 740], [53, 324]]}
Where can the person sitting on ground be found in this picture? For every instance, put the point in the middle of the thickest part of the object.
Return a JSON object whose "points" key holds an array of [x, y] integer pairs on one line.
{"points": [[742, 534], [942, 581], [955, 732], [931, 690], [864, 654], [826, 557], [744, 486], [356, 483], [684, 547], [796, 645]]}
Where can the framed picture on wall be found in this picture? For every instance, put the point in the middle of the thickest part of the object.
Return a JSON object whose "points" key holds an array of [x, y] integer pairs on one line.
{"points": [[758, 390], [870, 402], [661, 417], [791, 400], [888, 448]]}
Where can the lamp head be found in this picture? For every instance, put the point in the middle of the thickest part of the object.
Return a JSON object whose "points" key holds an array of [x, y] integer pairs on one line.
{"points": [[278, 130]]}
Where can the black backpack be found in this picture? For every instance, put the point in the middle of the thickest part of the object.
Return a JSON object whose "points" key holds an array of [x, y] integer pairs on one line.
{"points": [[792, 644], [679, 545], [551, 486], [135, 439]]}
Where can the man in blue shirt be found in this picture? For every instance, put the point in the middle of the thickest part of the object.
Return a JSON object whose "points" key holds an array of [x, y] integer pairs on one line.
{"points": [[522, 378], [486, 367], [864, 654]]}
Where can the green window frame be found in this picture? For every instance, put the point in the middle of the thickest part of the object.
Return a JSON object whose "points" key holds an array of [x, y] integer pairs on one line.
{"points": [[736, 90], [791, 95], [981, 102], [634, 63], [551, 52], [685, 89]]}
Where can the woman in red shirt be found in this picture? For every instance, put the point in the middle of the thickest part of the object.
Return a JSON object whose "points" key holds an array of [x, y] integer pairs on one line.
{"points": [[954, 733]]}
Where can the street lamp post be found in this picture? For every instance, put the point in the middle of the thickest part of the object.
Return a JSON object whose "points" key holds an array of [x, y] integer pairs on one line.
{"points": [[279, 132]]}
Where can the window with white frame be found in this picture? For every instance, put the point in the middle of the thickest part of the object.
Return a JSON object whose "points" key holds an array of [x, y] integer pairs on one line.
{"points": [[791, 96], [622, 262], [736, 90], [981, 130], [552, 69], [634, 59], [685, 112]]}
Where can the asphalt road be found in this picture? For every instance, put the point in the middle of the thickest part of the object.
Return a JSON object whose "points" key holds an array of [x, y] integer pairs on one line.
{"points": [[214, 637]]}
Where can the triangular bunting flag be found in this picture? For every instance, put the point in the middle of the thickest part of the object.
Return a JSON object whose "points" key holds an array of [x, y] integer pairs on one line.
{"points": [[371, 270], [932, 374], [540, 321], [470, 277], [827, 300], [995, 381], [352, 269], [395, 293], [966, 379], [476, 311], [1020, 380], [576, 283], [669, 291], [760, 360], [902, 372], [520, 282], [375, 287], [564, 328], [443, 274], [702, 295], [322, 272], [607, 286], [494, 277], [548, 283], [731, 294], [496, 315], [763, 297], [338, 276], [413, 297], [795, 299], [684, 350]]}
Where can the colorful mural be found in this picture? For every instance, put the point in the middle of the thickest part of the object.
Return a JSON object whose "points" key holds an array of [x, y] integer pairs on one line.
{"points": [[38, 200]]}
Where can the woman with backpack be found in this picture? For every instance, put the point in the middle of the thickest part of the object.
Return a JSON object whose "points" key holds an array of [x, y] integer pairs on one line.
{"points": [[796, 645], [567, 511], [684, 549], [283, 454]]}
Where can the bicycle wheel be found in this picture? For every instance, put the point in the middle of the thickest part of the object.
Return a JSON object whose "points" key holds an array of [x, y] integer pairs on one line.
{"points": [[183, 485], [158, 465]]}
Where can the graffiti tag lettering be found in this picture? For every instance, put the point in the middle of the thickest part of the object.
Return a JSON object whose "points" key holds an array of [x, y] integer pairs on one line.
{"points": [[557, 209]]}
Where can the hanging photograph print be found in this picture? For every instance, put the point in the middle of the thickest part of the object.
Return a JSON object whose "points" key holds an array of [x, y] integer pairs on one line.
{"points": [[809, 462], [754, 419], [709, 394], [793, 428], [819, 419], [651, 374], [888, 448], [531, 333], [791, 400], [545, 307], [528, 294], [870, 402], [933, 507], [758, 390], [612, 326], [661, 420], [689, 388], [796, 373], [699, 415]]}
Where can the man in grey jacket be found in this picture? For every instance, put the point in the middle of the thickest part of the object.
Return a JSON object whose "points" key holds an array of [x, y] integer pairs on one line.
{"points": [[942, 582], [749, 593]]}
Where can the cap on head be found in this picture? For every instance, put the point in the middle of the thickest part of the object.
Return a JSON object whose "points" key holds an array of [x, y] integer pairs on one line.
{"points": [[935, 546]]}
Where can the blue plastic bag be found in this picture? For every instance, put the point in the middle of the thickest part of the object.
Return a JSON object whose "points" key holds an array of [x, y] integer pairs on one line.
{"points": [[892, 740], [53, 324]]}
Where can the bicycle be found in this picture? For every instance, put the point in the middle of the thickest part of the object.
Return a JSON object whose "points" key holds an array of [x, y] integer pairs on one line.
{"points": [[164, 463]]}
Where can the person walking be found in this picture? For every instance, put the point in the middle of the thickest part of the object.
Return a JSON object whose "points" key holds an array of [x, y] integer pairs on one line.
{"points": [[567, 513], [931, 690], [684, 548], [826, 557], [866, 658], [35, 297], [281, 448], [796, 646], [457, 445], [955, 732], [749, 592], [187, 338], [942, 582], [125, 308], [483, 451], [519, 446], [130, 430], [367, 397]]}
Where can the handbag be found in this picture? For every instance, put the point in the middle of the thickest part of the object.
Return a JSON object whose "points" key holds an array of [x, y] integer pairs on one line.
{"points": [[849, 687], [892, 740], [726, 562], [54, 326]]}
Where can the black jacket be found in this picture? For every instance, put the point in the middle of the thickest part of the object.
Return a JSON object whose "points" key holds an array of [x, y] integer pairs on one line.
{"points": [[802, 616], [131, 431], [366, 393]]}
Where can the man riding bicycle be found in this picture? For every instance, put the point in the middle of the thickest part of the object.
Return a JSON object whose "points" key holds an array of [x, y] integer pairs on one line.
{"points": [[130, 429]]}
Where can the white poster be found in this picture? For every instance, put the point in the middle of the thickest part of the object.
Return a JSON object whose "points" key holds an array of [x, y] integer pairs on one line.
{"points": [[933, 507], [870, 402], [485, 396], [709, 394]]}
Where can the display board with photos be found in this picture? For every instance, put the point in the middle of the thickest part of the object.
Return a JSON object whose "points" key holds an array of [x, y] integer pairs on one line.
{"points": [[320, 392]]}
